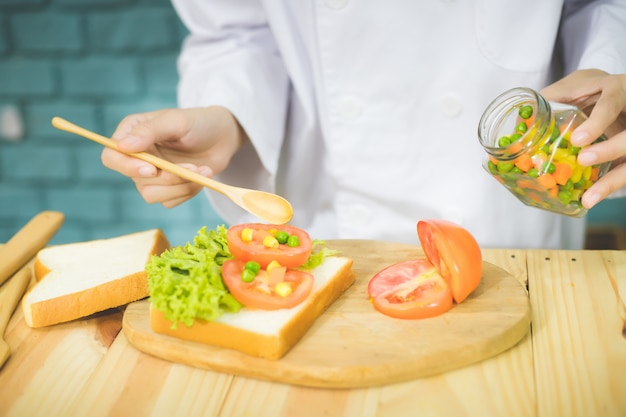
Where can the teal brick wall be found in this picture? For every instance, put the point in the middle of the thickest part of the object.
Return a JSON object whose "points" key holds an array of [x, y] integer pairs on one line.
{"points": [[91, 62]]}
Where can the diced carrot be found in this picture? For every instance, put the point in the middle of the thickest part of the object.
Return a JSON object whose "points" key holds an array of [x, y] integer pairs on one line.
{"points": [[529, 122], [595, 173], [546, 180], [528, 184], [535, 197], [562, 172], [524, 162], [277, 275], [554, 191], [514, 147]]}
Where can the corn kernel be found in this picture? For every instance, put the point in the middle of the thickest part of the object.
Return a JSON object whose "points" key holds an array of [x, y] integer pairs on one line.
{"points": [[283, 289], [247, 235], [272, 265], [270, 242], [273, 232]]}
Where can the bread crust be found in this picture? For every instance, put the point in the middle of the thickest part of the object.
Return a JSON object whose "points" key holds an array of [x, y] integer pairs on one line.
{"points": [[114, 293], [256, 344]]}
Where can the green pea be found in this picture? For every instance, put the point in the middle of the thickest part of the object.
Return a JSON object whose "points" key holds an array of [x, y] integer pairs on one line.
{"points": [[293, 241], [493, 168], [533, 172], [282, 236], [248, 275], [526, 112], [565, 196], [580, 184], [563, 143], [504, 141], [548, 167], [505, 166], [250, 271], [515, 137], [546, 148], [569, 185], [573, 150], [516, 170], [555, 134], [521, 127]]}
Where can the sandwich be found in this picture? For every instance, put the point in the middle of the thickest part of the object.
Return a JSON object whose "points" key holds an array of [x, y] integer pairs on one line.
{"points": [[255, 288]]}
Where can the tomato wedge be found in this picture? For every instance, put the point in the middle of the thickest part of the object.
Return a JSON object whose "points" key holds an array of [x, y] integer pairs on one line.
{"points": [[261, 293], [410, 290], [454, 252], [255, 250]]}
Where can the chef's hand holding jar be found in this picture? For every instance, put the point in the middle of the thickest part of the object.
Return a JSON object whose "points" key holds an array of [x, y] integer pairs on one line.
{"points": [[603, 97]]}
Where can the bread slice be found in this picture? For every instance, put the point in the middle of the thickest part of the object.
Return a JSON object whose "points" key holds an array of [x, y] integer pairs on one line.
{"points": [[78, 279], [263, 333]]}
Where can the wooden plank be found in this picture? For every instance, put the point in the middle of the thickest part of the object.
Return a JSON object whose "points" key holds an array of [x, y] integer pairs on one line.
{"points": [[578, 312], [49, 365], [129, 382]]}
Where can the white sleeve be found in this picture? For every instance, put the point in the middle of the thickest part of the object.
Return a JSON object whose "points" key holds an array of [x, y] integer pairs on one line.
{"points": [[230, 59], [593, 35]]}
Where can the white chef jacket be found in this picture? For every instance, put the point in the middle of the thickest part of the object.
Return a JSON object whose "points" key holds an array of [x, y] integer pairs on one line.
{"points": [[364, 113]]}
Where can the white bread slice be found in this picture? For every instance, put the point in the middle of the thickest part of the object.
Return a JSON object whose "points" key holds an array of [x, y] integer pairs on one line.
{"points": [[79, 279], [264, 333]]}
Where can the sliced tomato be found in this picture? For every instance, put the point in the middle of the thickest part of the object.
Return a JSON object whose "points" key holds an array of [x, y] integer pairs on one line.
{"points": [[255, 250], [260, 292], [410, 290], [454, 252]]}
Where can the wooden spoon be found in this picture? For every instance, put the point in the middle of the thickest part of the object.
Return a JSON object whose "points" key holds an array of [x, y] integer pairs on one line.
{"points": [[267, 206], [10, 295]]}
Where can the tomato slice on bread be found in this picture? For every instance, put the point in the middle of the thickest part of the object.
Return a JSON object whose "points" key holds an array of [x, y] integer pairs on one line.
{"points": [[454, 252], [247, 242], [410, 290], [263, 292]]}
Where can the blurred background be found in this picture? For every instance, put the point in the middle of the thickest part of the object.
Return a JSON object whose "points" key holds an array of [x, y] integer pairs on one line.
{"points": [[92, 62]]}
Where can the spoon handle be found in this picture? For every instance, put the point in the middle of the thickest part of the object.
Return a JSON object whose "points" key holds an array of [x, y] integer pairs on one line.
{"points": [[168, 166]]}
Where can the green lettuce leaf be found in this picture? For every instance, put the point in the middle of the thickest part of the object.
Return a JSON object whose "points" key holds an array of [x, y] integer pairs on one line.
{"points": [[319, 252], [186, 282]]}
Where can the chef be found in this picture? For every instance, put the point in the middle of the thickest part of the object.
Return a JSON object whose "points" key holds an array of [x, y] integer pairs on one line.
{"points": [[363, 114]]}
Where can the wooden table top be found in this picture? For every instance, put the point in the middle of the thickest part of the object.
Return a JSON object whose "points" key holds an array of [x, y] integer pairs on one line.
{"points": [[572, 363]]}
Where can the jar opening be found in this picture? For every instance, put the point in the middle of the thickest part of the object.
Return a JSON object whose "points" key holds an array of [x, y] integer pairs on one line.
{"points": [[504, 114]]}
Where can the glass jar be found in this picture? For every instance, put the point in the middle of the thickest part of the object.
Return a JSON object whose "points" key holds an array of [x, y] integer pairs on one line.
{"points": [[527, 140]]}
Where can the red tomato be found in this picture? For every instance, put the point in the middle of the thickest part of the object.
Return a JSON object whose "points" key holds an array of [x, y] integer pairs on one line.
{"points": [[454, 252], [288, 256], [410, 290], [260, 292]]}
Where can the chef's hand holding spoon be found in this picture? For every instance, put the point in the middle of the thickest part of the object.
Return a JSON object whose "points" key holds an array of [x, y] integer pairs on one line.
{"points": [[200, 139]]}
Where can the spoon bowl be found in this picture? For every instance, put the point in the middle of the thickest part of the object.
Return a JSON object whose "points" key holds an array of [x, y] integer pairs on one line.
{"points": [[266, 206]]}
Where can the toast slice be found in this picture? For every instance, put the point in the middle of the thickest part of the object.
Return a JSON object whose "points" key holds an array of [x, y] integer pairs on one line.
{"points": [[264, 333], [79, 279]]}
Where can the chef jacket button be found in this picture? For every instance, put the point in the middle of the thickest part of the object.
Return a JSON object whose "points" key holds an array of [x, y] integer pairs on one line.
{"points": [[453, 214], [350, 108], [451, 105], [359, 214], [336, 4]]}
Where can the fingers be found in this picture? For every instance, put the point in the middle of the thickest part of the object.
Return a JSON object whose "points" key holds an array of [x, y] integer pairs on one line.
{"points": [[610, 182], [611, 103], [604, 151]]}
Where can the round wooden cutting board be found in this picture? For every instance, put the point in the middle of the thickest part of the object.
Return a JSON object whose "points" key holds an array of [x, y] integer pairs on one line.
{"points": [[352, 345]]}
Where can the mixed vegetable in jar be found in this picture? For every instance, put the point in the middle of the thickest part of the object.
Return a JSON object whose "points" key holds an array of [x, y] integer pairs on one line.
{"points": [[535, 159]]}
